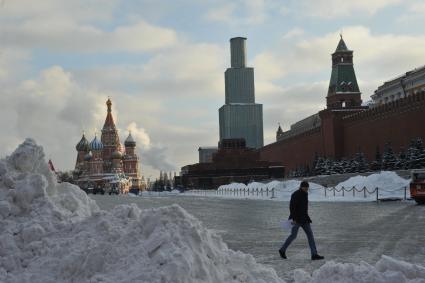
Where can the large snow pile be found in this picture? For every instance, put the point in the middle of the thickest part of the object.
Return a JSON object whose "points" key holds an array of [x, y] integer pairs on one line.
{"points": [[386, 270], [387, 180], [53, 232], [389, 183]]}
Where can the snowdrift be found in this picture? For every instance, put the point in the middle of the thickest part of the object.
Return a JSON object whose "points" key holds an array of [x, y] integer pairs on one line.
{"points": [[386, 270], [389, 184], [53, 232]]}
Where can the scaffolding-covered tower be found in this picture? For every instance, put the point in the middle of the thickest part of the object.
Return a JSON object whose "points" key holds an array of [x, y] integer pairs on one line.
{"points": [[241, 117]]}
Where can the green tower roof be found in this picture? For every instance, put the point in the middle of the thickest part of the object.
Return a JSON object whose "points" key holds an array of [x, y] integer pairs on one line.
{"points": [[341, 46], [343, 76]]}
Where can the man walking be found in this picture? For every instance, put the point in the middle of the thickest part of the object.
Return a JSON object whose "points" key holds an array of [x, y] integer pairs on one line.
{"points": [[299, 214]]}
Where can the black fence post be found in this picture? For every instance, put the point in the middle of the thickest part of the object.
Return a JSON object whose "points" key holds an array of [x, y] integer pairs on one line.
{"points": [[377, 193], [405, 193]]}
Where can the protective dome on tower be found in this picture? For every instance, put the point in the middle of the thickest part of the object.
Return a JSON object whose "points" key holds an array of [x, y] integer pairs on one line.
{"points": [[83, 144], [129, 142], [88, 156], [96, 144], [116, 155]]}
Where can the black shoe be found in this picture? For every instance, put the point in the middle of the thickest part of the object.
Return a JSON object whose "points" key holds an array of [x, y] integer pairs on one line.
{"points": [[317, 257], [282, 254]]}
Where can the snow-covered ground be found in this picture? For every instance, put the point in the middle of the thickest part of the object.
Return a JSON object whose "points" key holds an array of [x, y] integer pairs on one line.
{"points": [[387, 183], [54, 232]]}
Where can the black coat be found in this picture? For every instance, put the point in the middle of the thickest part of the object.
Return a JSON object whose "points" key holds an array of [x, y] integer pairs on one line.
{"points": [[299, 207]]}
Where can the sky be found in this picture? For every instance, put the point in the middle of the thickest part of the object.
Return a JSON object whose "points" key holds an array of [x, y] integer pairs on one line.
{"points": [[162, 64]]}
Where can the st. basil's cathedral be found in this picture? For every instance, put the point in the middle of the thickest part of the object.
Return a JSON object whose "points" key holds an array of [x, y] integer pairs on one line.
{"points": [[105, 163]]}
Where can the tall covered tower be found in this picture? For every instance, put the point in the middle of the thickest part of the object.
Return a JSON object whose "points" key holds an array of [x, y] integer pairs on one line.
{"points": [[109, 138], [240, 117], [343, 89]]}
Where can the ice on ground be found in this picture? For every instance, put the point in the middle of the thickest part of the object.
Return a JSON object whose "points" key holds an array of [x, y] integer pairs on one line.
{"points": [[53, 232], [386, 270]]}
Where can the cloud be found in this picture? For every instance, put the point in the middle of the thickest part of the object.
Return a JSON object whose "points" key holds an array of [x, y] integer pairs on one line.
{"points": [[413, 14], [62, 35], [156, 157], [77, 10], [307, 60], [13, 64], [186, 70], [310, 55], [248, 12], [331, 9], [139, 134]]}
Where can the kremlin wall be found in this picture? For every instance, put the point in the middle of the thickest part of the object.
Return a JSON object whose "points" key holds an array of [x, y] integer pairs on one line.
{"points": [[346, 127]]}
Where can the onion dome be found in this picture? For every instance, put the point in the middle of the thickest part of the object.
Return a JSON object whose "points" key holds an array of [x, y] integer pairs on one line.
{"points": [[129, 142], [116, 155], [83, 144], [96, 144], [88, 156]]}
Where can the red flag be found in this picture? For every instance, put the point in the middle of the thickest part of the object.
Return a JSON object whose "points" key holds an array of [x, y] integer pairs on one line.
{"points": [[50, 163]]}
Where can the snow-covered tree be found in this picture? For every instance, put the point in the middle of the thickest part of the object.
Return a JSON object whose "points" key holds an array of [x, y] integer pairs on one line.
{"points": [[319, 167], [362, 165], [389, 159], [402, 160], [421, 153], [377, 163], [412, 155]]}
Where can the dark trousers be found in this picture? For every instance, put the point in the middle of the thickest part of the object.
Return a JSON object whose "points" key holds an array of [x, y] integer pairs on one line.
{"points": [[307, 229]]}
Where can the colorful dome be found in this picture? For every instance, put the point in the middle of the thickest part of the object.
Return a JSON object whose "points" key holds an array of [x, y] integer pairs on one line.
{"points": [[83, 144], [116, 155], [129, 142], [96, 144], [88, 156]]}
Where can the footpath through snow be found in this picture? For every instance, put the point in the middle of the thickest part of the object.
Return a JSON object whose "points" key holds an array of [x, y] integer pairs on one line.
{"points": [[53, 232]]}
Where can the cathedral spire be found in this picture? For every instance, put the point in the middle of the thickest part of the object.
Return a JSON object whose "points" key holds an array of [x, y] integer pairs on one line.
{"points": [[109, 104], [109, 121]]}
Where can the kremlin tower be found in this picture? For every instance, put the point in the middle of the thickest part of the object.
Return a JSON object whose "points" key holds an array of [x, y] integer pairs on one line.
{"points": [[104, 164]]}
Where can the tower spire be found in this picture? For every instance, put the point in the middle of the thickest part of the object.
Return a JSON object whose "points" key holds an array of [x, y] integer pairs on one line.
{"points": [[109, 104], [343, 89]]}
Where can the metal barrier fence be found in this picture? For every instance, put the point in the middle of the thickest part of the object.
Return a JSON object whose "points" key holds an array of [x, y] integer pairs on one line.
{"points": [[363, 191], [246, 192]]}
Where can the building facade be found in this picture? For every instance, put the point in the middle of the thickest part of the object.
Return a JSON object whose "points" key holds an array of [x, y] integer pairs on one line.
{"points": [[233, 162], [206, 153], [240, 116], [105, 163], [345, 126], [402, 86]]}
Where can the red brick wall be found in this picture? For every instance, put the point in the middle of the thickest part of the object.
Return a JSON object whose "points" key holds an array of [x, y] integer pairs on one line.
{"points": [[397, 122], [296, 151]]}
